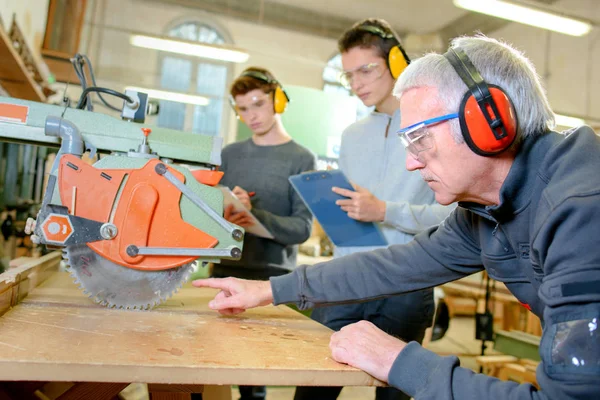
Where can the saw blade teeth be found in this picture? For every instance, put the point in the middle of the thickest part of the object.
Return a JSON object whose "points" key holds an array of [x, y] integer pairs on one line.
{"points": [[110, 284]]}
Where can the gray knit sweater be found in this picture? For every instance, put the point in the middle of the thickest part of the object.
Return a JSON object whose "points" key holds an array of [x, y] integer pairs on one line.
{"points": [[265, 171]]}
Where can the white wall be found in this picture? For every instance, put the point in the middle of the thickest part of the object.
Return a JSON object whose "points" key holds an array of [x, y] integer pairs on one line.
{"points": [[569, 65], [31, 18], [294, 58]]}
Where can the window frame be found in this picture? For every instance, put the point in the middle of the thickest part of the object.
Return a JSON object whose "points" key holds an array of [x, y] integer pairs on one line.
{"points": [[188, 123], [50, 23]]}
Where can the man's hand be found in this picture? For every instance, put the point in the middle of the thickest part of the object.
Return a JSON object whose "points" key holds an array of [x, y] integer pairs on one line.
{"points": [[242, 218], [237, 295], [361, 204], [364, 346], [242, 196]]}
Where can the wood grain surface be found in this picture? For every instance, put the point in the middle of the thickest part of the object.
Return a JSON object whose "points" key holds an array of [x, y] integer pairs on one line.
{"points": [[56, 333]]}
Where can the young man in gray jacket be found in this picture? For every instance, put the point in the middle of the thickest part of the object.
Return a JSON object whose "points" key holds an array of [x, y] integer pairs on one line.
{"points": [[373, 158], [476, 122], [257, 169]]}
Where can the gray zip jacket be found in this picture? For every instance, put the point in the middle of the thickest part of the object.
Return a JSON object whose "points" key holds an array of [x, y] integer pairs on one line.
{"points": [[373, 157], [542, 241]]}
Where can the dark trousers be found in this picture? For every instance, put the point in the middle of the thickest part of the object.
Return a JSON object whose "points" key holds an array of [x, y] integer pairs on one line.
{"points": [[405, 317]]}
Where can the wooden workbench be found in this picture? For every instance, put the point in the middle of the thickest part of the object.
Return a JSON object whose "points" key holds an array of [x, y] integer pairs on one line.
{"points": [[55, 333]]}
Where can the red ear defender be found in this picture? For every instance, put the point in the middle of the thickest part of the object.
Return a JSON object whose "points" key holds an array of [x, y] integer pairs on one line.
{"points": [[477, 131], [488, 120]]}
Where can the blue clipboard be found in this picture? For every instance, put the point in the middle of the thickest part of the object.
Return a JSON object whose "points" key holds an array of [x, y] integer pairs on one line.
{"points": [[315, 190]]}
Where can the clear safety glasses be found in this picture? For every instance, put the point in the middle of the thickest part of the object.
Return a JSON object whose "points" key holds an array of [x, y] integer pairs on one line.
{"points": [[416, 137], [365, 74]]}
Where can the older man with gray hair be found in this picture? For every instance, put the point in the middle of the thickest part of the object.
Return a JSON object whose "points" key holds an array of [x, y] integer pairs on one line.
{"points": [[477, 124]]}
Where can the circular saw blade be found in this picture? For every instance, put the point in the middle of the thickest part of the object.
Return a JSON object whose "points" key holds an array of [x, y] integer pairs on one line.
{"points": [[114, 285]]}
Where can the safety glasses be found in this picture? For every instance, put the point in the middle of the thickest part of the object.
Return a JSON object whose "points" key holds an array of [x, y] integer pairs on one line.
{"points": [[365, 73], [416, 137]]}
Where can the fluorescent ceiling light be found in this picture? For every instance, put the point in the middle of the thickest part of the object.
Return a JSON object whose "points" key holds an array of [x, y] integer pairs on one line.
{"points": [[189, 48], [527, 15], [172, 96], [570, 122]]}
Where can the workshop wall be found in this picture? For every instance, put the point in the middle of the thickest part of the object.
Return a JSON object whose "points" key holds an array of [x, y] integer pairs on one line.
{"points": [[297, 60], [568, 65], [31, 17], [565, 63]]}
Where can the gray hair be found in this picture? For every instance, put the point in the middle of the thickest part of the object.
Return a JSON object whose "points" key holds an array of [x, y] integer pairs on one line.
{"points": [[499, 64]]}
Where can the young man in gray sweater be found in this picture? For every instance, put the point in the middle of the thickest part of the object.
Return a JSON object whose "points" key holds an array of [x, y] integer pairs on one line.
{"points": [[477, 124], [373, 158], [257, 170]]}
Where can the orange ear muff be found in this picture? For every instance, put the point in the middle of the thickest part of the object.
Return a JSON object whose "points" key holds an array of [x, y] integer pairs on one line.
{"points": [[488, 120], [280, 97], [397, 58], [280, 100], [479, 135]]}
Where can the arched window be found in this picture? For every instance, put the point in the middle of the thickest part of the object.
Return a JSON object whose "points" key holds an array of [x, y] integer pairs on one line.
{"points": [[203, 77], [331, 84]]}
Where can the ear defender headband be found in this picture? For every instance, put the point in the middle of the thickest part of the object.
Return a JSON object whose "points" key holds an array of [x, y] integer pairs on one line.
{"points": [[280, 97], [488, 120], [397, 58]]}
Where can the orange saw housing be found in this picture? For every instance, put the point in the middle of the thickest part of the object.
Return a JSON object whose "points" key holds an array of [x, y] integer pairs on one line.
{"points": [[147, 214]]}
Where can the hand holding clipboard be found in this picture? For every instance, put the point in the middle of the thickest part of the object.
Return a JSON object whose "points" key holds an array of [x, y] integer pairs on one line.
{"points": [[315, 189], [360, 204], [232, 204]]}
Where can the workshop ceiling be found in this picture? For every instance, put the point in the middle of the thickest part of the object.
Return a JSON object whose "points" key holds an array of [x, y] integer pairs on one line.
{"points": [[417, 16], [329, 18]]}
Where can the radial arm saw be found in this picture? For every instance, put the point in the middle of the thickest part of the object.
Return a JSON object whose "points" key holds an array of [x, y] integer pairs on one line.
{"points": [[132, 224]]}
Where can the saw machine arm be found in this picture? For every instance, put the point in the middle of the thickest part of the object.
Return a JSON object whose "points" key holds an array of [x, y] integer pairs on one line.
{"points": [[132, 224]]}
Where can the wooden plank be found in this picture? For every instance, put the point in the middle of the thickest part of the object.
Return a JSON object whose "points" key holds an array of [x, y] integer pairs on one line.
{"points": [[492, 363], [170, 396], [469, 289], [53, 390], [533, 326], [214, 392], [14, 77], [176, 392], [17, 282], [17, 262], [511, 316], [58, 334], [158, 387], [486, 361], [517, 373], [93, 391], [514, 315], [159, 391], [529, 364]]}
